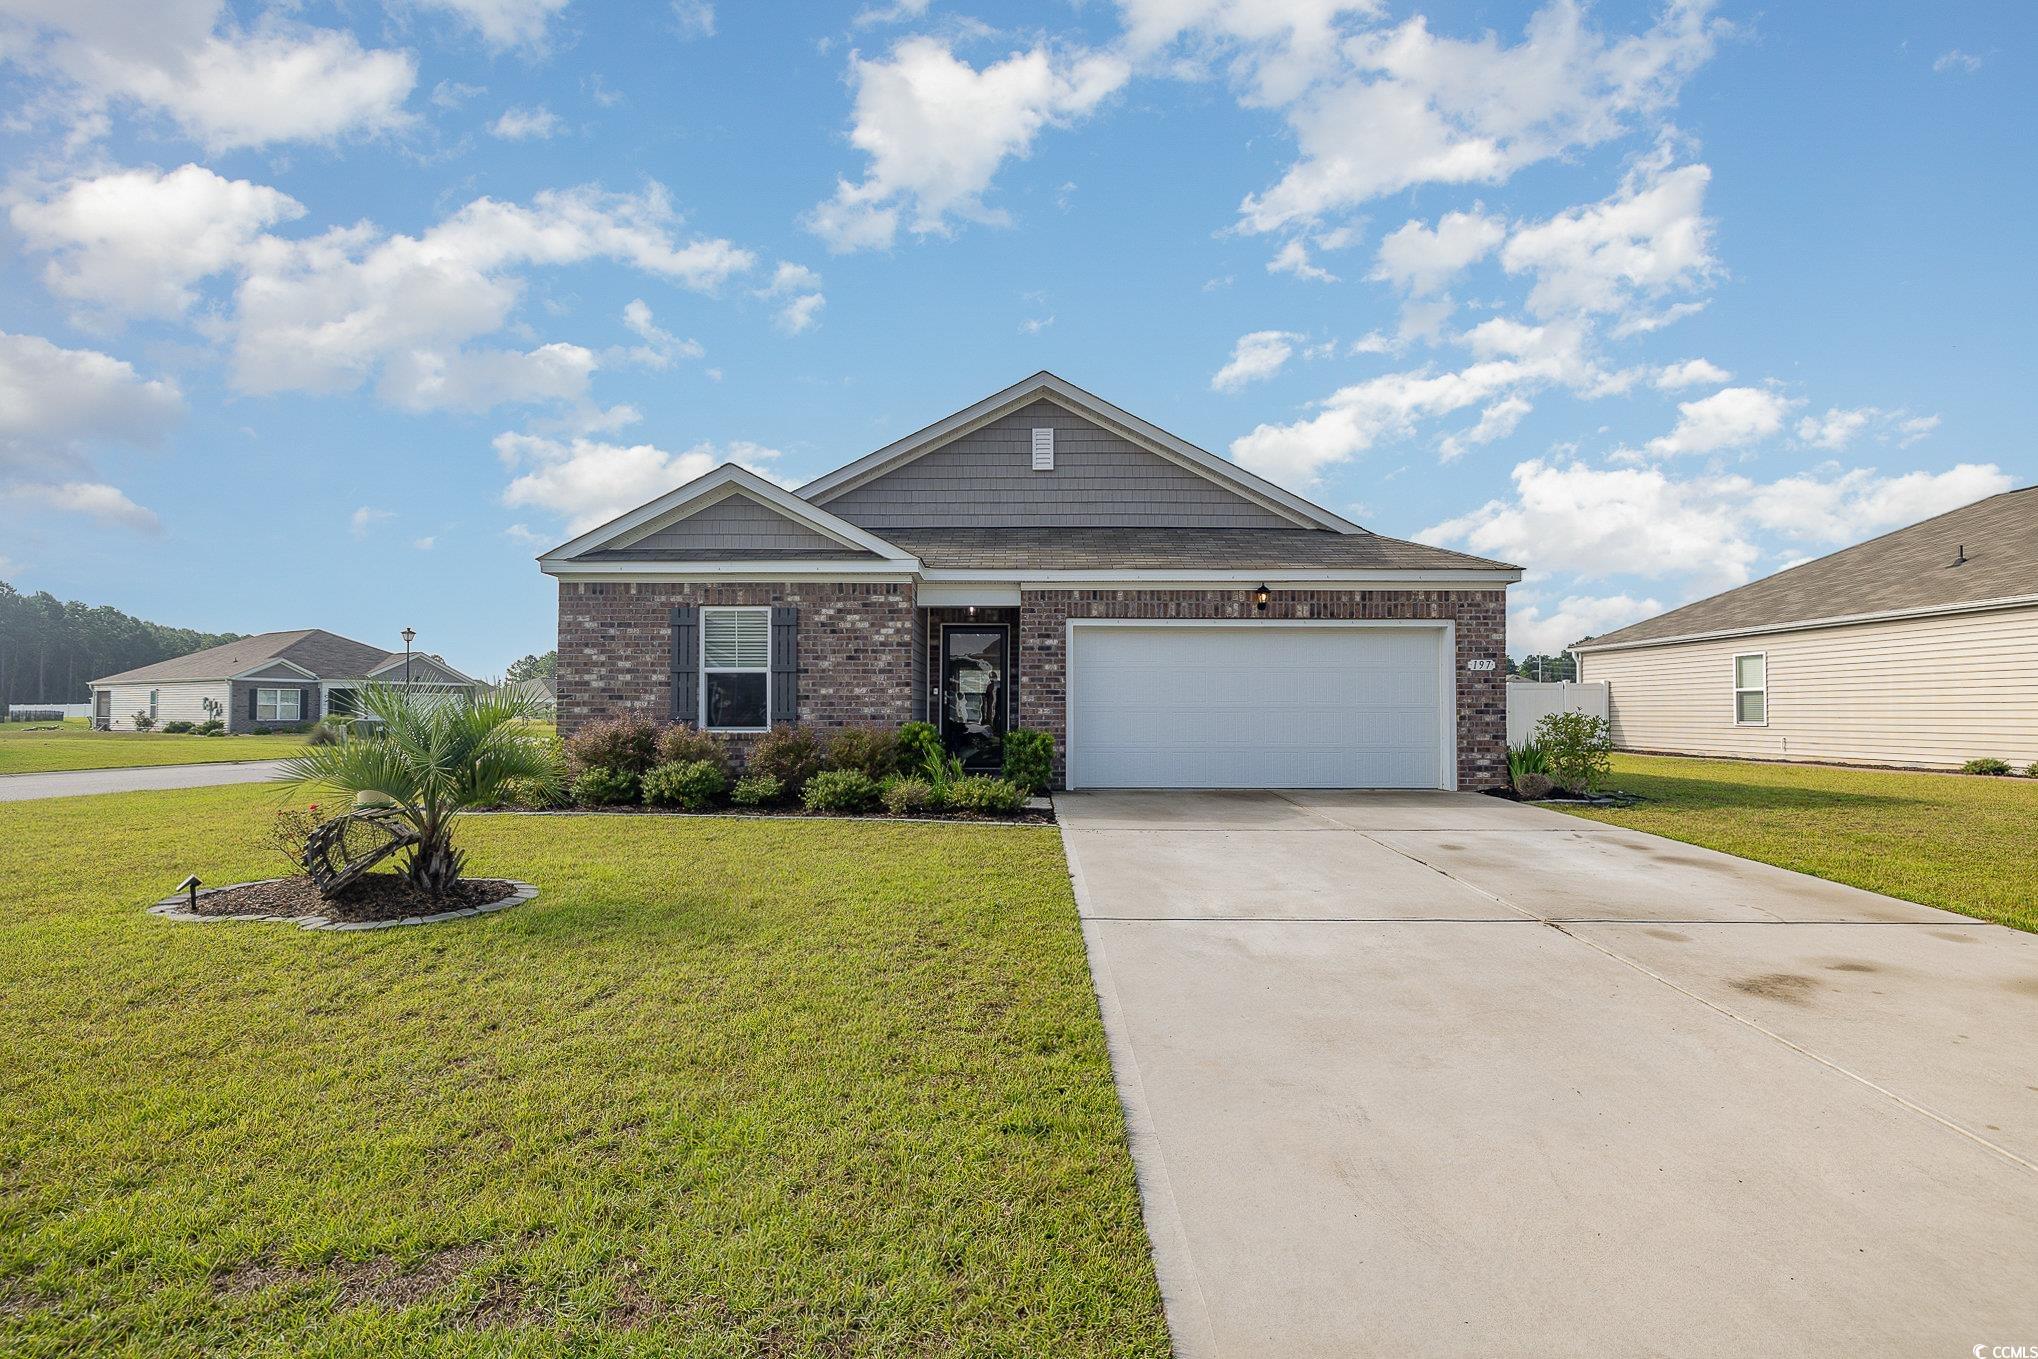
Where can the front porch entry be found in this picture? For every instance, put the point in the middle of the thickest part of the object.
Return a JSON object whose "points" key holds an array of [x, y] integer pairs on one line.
{"points": [[972, 670]]}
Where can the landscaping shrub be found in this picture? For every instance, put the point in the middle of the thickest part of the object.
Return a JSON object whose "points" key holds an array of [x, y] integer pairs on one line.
{"points": [[920, 747], [1029, 759], [2031, 770], [690, 745], [907, 794], [1987, 764], [1532, 787], [870, 751], [330, 731], [211, 726], [1524, 759], [839, 790], [1578, 749], [534, 795], [792, 755], [291, 828], [756, 790], [143, 722], [623, 745], [692, 784], [600, 786], [985, 795], [177, 728]]}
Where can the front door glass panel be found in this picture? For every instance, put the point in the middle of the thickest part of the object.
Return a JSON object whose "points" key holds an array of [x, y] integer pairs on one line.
{"points": [[973, 698]]}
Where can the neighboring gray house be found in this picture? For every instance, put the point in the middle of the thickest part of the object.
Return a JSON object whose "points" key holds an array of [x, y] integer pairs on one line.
{"points": [[538, 690], [273, 679], [1916, 648], [1044, 559]]}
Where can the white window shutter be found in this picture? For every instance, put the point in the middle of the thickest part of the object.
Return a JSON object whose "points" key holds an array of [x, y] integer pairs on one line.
{"points": [[1043, 450]]}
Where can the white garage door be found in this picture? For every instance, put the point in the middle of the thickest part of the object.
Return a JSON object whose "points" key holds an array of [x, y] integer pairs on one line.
{"points": [[1267, 706]]}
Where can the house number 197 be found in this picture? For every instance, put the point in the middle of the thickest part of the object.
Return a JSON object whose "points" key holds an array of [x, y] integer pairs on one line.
{"points": [[1482, 663]]}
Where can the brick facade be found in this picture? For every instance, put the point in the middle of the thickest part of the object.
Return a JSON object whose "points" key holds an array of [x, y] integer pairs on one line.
{"points": [[857, 650], [241, 704], [1480, 615]]}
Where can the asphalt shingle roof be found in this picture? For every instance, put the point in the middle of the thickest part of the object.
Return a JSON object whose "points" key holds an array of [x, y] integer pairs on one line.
{"points": [[1906, 570], [1160, 549], [325, 654]]}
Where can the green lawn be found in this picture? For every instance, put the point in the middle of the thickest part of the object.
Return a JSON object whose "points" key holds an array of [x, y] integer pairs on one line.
{"points": [[725, 1088], [1959, 842], [34, 748]]}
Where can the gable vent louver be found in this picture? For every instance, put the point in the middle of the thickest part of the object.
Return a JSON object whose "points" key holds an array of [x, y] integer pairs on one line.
{"points": [[1043, 450]]}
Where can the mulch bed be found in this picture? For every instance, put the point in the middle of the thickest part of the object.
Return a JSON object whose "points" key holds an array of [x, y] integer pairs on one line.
{"points": [[378, 896], [1024, 818]]}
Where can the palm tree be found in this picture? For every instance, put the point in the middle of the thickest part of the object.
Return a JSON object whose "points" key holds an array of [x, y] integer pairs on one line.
{"points": [[432, 757]]}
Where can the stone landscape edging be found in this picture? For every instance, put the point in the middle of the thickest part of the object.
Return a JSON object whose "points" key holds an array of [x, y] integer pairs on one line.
{"points": [[174, 908]]}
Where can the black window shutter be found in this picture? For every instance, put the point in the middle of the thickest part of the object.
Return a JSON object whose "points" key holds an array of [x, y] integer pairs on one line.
{"points": [[254, 704], [785, 663], [686, 663]]}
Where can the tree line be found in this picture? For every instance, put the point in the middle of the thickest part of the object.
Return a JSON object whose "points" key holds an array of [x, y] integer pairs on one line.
{"points": [[51, 649]]}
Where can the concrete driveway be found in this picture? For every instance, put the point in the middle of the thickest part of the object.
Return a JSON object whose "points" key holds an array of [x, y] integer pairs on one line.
{"points": [[1441, 1074], [139, 779]]}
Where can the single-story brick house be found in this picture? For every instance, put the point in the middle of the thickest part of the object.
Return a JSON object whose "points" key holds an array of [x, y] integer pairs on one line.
{"points": [[272, 679], [1043, 559], [1914, 648]]}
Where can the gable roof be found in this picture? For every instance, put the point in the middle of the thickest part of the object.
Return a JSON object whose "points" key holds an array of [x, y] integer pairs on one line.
{"points": [[318, 653], [610, 541], [1224, 472], [1909, 571], [1021, 551]]}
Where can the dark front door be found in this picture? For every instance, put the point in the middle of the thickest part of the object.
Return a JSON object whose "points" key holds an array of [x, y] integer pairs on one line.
{"points": [[973, 694]]}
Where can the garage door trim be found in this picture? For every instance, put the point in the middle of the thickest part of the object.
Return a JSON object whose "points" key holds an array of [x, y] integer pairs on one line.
{"points": [[1447, 671]]}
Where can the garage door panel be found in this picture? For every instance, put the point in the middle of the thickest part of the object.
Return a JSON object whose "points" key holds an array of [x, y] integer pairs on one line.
{"points": [[1267, 706]]}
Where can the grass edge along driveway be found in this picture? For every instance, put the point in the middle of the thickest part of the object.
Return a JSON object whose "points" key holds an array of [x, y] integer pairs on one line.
{"points": [[725, 1088], [35, 748], [1958, 842]]}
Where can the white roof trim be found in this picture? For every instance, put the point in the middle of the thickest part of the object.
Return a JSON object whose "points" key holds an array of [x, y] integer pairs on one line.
{"points": [[1807, 624], [1155, 439], [395, 662], [809, 568], [710, 484], [250, 672], [936, 578]]}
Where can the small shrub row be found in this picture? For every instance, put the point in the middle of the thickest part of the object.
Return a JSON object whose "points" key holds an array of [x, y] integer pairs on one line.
{"points": [[1570, 752]]}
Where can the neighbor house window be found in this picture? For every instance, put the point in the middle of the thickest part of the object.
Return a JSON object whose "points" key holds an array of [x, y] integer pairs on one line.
{"points": [[342, 703], [735, 669], [154, 695], [1751, 690], [279, 705]]}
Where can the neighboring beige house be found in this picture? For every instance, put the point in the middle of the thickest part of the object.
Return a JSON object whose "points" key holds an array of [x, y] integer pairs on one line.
{"points": [[1916, 648], [270, 680]]}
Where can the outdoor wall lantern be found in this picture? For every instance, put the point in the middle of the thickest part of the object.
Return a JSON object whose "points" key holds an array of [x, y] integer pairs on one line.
{"points": [[1261, 598]]}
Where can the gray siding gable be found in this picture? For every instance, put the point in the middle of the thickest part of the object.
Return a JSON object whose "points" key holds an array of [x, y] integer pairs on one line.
{"points": [[734, 523], [1101, 479]]}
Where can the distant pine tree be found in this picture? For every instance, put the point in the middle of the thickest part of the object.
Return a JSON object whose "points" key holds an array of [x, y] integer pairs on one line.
{"points": [[534, 667], [51, 649]]}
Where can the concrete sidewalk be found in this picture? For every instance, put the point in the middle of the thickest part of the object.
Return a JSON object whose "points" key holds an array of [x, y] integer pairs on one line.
{"points": [[79, 782], [1429, 1074]]}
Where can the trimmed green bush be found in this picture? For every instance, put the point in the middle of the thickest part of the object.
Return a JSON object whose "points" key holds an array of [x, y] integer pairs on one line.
{"points": [[792, 755], [839, 790], [177, 728], [143, 722], [2031, 770], [1986, 764], [756, 790], [870, 751], [985, 795], [685, 745], [920, 747], [1029, 759], [211, 726], [601, 786], [625, 745], [692, 784], [1578, 749], [907, 794]]}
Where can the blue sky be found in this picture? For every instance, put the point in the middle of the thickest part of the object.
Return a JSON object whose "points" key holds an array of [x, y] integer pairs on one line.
{"points": [[335, 315]]}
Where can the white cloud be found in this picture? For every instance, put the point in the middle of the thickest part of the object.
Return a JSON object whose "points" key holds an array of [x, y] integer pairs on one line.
{"points": [[1414, 108], [224, 85], [53, 401], [92, 498], [1256, 357], [1422, 259], [1293, 258], [696, 18], [896, 12], [1643, 323], [1650, 236], [800, 290], [1910, 429], [1276, 48], [1673, 377], [136, 242], [1497, 421], [1732, 417], [480, 379], [504, 23], [521, 124], [1533, 630], [937, 130], [1953, 59], [425, 544], [1839, 427], [660, 346], [1706, 531], [590, 482], [323, 314], [366, 518]]}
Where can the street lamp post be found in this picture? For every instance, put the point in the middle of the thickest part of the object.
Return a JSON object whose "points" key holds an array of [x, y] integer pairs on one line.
{"points": [[409, 636]]}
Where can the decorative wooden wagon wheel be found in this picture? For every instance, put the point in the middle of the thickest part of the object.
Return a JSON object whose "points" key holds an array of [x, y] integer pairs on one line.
{"points": [[339, 851]]}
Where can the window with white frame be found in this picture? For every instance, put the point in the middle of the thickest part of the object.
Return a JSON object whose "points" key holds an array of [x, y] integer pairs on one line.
{"points": [[155, 696], [736, 669], [1751, 690], [279, 705]]}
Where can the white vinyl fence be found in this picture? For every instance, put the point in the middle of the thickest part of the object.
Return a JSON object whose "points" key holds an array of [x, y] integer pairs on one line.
{"points": [[1528, 703]]}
